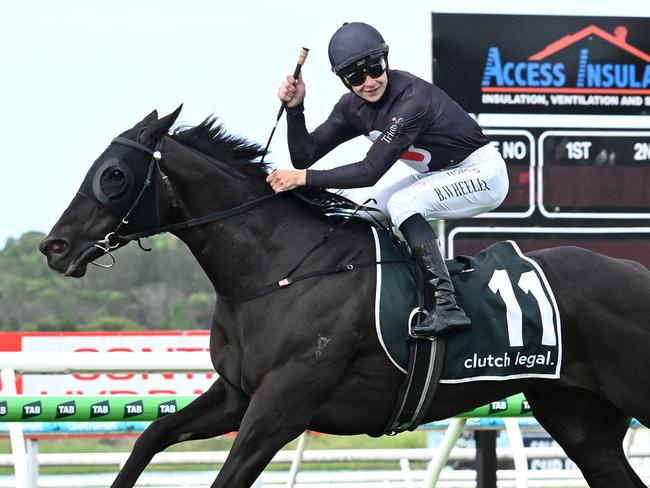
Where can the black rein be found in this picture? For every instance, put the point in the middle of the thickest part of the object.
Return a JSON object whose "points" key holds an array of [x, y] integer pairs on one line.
{"points": [[114, 239], [156, 156]]}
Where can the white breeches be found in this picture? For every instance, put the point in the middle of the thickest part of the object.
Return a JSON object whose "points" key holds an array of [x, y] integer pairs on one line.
{"points": [[476, 185]]}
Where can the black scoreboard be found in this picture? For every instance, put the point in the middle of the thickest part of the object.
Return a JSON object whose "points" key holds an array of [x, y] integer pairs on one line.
{"points": [[577, 174], [594, 174], [581, 187], [518, 150], [571, 103], [619, 242]]}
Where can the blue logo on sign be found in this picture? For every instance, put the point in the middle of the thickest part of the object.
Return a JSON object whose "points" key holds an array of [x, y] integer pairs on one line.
{"points": [[537, 72]]}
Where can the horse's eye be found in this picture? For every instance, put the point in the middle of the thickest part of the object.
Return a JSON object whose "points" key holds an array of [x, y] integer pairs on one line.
{"points": [[113, 182]]}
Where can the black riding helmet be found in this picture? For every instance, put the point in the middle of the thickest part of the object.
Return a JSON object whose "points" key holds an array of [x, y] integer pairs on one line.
{"points": [[354, 41]]}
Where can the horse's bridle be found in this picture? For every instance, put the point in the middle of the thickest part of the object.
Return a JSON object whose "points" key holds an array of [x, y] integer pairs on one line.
{"points": [[114, 239]]}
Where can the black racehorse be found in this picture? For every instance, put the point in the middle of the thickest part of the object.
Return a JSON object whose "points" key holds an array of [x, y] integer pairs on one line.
{"points": [[306, 356]]}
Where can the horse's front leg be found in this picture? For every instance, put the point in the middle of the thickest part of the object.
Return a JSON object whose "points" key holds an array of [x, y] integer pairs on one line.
{"points": [[279, 411], [217, 411]]}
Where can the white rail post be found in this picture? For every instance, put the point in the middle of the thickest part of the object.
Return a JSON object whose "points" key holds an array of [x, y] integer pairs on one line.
{"points": [[16, 436], [297, 460], [405, 466], [518, 451], [32, 463], [447, 443]]}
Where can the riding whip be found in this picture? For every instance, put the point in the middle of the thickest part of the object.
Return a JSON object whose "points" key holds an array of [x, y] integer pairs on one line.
{"points": [[301, 60]]}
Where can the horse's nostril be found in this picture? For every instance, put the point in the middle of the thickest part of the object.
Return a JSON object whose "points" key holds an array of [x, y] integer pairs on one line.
{"points": [[57, 246]]}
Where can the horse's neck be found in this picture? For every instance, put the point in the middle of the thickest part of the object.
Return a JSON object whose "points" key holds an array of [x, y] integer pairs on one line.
{"points": [[254, 248], [246, 250]]}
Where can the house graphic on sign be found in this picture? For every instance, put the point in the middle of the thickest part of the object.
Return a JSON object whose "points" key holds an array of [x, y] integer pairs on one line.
{"points": [[607, 78], [618, 39]]}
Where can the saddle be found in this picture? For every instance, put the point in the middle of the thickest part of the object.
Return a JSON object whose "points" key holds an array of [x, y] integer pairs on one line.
{"points": [[515, 331]]}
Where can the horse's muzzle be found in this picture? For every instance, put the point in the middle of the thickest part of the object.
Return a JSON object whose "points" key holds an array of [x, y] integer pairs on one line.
{"points": [[57, 251]]}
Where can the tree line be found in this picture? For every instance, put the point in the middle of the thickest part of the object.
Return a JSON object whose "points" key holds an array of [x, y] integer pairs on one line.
{"points": [[157, 290]]}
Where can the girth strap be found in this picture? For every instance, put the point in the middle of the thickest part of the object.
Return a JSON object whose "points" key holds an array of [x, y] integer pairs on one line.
{"points": [[417, 392], [423, 373]]}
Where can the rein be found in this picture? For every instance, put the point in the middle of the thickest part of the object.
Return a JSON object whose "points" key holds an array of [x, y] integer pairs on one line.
{"points": [[114, 239]]}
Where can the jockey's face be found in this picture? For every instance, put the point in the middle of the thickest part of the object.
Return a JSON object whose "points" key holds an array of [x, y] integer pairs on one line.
{"points": [[367, 77], [372, 89]]}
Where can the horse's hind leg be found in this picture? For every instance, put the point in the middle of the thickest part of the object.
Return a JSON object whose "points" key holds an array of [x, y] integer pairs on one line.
{"points": [[217, 411], [591, 431]]}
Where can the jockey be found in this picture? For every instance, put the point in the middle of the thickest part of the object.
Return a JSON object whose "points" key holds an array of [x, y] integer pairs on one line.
{"points": [[459, 174]]}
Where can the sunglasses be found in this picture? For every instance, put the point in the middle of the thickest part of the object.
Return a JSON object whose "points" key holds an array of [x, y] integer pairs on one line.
{"points": [[357, 76]]}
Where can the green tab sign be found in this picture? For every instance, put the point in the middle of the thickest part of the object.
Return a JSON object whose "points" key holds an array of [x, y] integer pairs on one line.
{"points": [[79, 409]]}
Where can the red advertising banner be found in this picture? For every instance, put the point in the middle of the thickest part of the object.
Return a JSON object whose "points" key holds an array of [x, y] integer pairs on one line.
{"points": [[136, 342]]}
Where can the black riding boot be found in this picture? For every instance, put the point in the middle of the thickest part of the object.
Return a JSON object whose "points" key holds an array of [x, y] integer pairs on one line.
{"points": [[447, 313], [428, 256]]}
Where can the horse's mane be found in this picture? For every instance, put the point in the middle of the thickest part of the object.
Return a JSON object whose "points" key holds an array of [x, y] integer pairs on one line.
{"points": [[211, 138]]}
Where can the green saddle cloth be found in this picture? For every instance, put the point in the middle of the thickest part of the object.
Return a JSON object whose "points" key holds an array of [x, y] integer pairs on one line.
{"points": [[515, 331]]}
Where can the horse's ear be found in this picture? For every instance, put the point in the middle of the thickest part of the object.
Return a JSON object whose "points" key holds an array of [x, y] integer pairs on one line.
{"points": [[159, 127], [148, 119]]}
